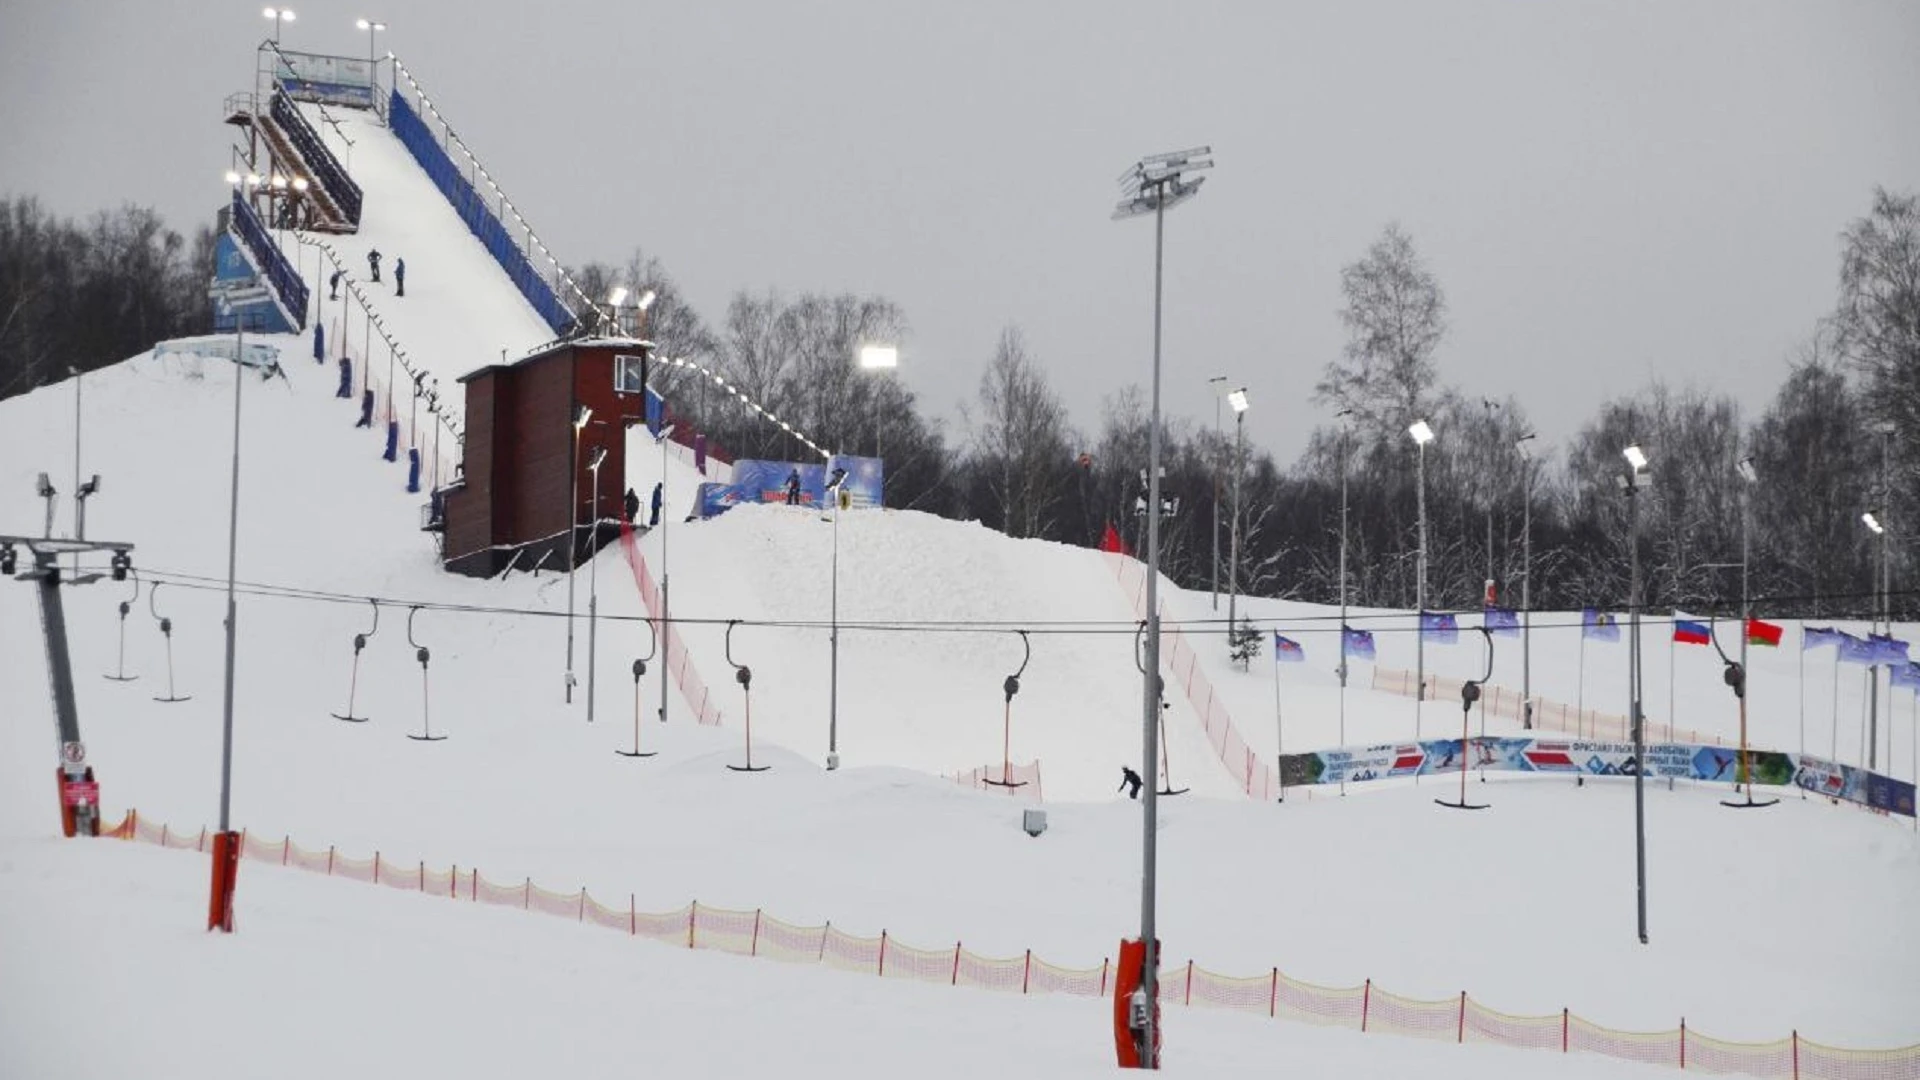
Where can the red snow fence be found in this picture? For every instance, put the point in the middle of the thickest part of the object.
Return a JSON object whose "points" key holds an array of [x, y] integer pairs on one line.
{"points": [[1366, 1007]]}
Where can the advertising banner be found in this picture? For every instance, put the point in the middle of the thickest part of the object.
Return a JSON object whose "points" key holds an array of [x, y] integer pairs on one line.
{"points": [[757, 481], [1680, 761], [333, 80]]}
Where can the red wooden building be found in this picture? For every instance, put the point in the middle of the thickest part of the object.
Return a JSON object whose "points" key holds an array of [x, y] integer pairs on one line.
{"points": [[526, 486]]}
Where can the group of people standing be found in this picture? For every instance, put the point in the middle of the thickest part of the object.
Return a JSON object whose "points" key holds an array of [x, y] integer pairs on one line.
{"points": [[373, 270]]}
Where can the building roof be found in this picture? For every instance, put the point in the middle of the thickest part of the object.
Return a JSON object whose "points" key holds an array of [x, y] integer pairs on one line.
{"points": [[541, 352]]}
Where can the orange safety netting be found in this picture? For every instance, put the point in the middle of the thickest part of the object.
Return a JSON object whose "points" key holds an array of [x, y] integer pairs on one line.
{"points": [[1366, 1007], [1009, 778], [1499, 700], [673, 650]]}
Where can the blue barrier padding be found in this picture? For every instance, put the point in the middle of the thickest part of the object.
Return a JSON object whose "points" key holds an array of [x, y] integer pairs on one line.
{"points": [[393, 441], [319, 344], [280, 273], [413, 470], [346, 379], [326, 168], [480, 218]]}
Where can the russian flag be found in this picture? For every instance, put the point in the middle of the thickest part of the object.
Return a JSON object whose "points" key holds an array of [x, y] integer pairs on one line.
{"points": [[1690, 631], [1288, 651]]}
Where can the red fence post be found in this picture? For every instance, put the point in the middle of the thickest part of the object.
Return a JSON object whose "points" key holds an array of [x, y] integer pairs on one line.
{"points": [[1026, 976], [754, 949], [1462, 1035], [1366, 1000], [956, 966]]}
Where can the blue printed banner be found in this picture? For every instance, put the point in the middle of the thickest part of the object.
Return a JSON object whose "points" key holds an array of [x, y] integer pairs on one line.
{"points": [[1599, 625], [1502, 622], [757, 481], [1439, 627], [1680, 761]]}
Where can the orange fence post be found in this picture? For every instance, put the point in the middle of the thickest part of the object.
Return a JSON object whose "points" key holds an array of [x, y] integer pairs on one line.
{"points": [[1563, 1030], [693, 915], [453, 882], [1462, 1035], [754, 948], [883, 954], [1796, 1054], [473, 890], [1366, 1001], [1026, 975], [824, 931], [633, 917], [1103, 976], [1189, 998], [201, 845], [1273, 995], [955, 981], [526, 896], [376, 867], [286, 848], [1683, 1042], [329, 860], [423, 875], [583, 903]]}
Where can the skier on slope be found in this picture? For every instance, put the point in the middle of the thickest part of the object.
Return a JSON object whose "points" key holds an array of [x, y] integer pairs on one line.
{"points": [[333, 286], [1130, 782], [631, 504], [658, 493], [399, 277], [373, 263], [793, 488]]}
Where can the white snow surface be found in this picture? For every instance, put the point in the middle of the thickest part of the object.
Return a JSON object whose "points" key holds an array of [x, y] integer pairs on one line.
{"points": [[1762, 922]]}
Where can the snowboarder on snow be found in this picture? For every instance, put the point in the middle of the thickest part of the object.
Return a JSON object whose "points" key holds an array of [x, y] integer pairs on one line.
{"points": [[373, 263], [793, 488], [654, 518], [399, 277], [632, 504], [333, 286], [1130, 781]]}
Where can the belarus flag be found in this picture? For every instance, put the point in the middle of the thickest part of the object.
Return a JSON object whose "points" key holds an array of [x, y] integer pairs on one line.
{"points": [[1690, 631], [1762, 633]]}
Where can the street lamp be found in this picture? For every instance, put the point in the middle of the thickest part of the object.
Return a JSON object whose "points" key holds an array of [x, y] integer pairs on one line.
{"points": [[1153, 186], [1635, 479], [1219, 385], [1422, 435], [1525, 447], [1237, 399], [835, 489], [593, 576], [278, 15], [373, 28], [666, 657], [581, 414]]}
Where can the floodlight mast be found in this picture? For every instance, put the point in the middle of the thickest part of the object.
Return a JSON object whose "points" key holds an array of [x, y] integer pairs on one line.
{"points": [[1154, 185]]}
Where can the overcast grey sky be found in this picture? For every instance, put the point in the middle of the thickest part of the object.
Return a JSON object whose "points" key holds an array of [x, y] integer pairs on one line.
{"points": [[1608, 192]]}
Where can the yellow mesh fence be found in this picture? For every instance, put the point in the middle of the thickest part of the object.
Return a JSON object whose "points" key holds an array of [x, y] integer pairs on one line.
{"points": [[1366, 1007]]}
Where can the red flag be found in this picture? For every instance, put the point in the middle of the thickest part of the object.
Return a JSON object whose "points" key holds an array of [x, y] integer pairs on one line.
{"points": [[1111, 541], [1762, 633]]}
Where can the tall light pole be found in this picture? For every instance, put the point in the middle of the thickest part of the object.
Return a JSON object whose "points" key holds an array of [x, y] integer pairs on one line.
{"points": [[1153, 186], [1879, 529], [1219, 385], [227, 856], [593, 576], [373, 28], [666, 657], [1636, 478], [278, 15], [1422, 435], [1237, 399], [1525, 447], [879, 358], [581, 414], [1491, 405], [835, 487], [1346, 429]]}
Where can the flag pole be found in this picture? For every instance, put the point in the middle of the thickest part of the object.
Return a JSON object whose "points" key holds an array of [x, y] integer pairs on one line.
{"points": [[1670, 697], [1279, 728], [1580, 695], [1833, 754]]}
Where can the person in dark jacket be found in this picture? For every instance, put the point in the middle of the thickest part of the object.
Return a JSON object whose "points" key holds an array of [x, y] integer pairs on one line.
{"points": [[399, 277], [346, 379], [654, 518], [366, 408], [373, 263], [1130, 781], [793, 488], [333, 286], [632, 504]]}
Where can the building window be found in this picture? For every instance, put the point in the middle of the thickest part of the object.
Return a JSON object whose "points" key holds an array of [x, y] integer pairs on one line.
{"points": [[629, 374]]}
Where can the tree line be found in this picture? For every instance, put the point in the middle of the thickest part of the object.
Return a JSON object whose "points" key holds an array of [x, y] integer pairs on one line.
{"points": [[1840, 437]]}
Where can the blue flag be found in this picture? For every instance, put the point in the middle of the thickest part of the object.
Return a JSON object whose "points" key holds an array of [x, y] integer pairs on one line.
{"points": [[1887, 649], [1907, 675], [1288, 651], [1815, 637], [1439, 627], [1599, 625], [1357, 643], [1502, 622], [1855, 651]]}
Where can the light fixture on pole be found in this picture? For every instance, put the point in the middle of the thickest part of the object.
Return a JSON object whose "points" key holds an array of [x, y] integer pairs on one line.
{"points": [[1238, 400], [581, 414], [1631, 482], [373, 28], [1422, 435], [593, 575], [1154, 185], [1525, 447], [278, 15], [1219, 385]]}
